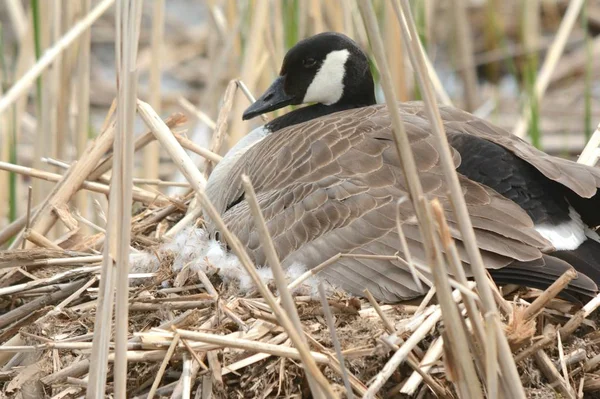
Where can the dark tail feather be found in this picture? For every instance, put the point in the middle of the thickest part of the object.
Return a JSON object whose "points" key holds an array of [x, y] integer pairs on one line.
{"points": [[541, 275], [585, 259]]}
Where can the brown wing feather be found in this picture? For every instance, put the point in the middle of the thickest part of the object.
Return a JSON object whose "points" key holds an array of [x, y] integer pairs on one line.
{"points": [[331, 185]]}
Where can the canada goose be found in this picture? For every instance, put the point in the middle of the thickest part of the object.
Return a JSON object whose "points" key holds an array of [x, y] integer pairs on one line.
{"points": [[328, 180]]}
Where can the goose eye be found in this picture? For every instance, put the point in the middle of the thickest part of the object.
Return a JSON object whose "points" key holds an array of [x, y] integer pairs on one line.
{"points": [[309, 62]]}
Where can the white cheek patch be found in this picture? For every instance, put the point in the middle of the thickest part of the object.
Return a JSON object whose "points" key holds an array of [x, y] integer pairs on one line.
{"points": [[327, 86]]}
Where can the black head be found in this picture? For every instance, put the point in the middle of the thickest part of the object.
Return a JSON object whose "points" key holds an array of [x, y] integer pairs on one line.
{"points": [[328, 68]]}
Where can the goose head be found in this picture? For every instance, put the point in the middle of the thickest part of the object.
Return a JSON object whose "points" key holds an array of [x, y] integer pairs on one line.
{"points": [[328, 68]]}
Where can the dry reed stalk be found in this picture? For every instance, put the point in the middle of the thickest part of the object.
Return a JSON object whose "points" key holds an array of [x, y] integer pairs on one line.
{"points": [[554, 53], [395, 57], [128, 19], [401, 354], [18, 18], [106, 164], [316, 15], [46, 96], [386, 323], [39, 240], [45, 218], [313, 272], [590, 153], [192, 110], [138, 194], [252, 359], [433, 354], [163, 134], [248, 71], [221, 125], [464, 40], [550, 293], [54, 262], [195, 148], [65, 15], [188, 219], [547, 368], [82, 88], [163, 366], [285, 295], [333, 15], [479, 340], [23, 84], [335, 341], [41, 302], [249, 345], [151, 152], [196, 179], [242, 86], [28, 214], [511, 379]]}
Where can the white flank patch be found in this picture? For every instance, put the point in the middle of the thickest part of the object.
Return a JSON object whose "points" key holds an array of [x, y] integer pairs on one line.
{"points": [[565, 236], [327, 86], [194, 249]]}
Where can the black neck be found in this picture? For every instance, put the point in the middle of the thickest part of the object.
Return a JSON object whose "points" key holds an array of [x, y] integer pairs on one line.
{"points": [[308, 113]]}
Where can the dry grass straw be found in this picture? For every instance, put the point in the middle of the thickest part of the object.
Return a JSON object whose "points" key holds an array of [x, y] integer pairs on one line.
{"points": [[151, 152], [23, 84], [555, 52], [464, 41]]}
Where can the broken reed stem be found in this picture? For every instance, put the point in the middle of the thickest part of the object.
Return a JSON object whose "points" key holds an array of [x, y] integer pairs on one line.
{"points": [[39, 240], [434, 353], [254, 346], [191, 109], [552, 375], [401, 354], [203, 152], [550, 293], [273, 261], [511, 379], [139, 194], [553, 56], [565, 331], [191, 173], [22, 85], [106, 164], [72, 180], [163, 366]]}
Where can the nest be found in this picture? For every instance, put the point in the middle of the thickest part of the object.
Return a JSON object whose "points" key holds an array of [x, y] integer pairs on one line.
{"points": [[194, 329]]}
